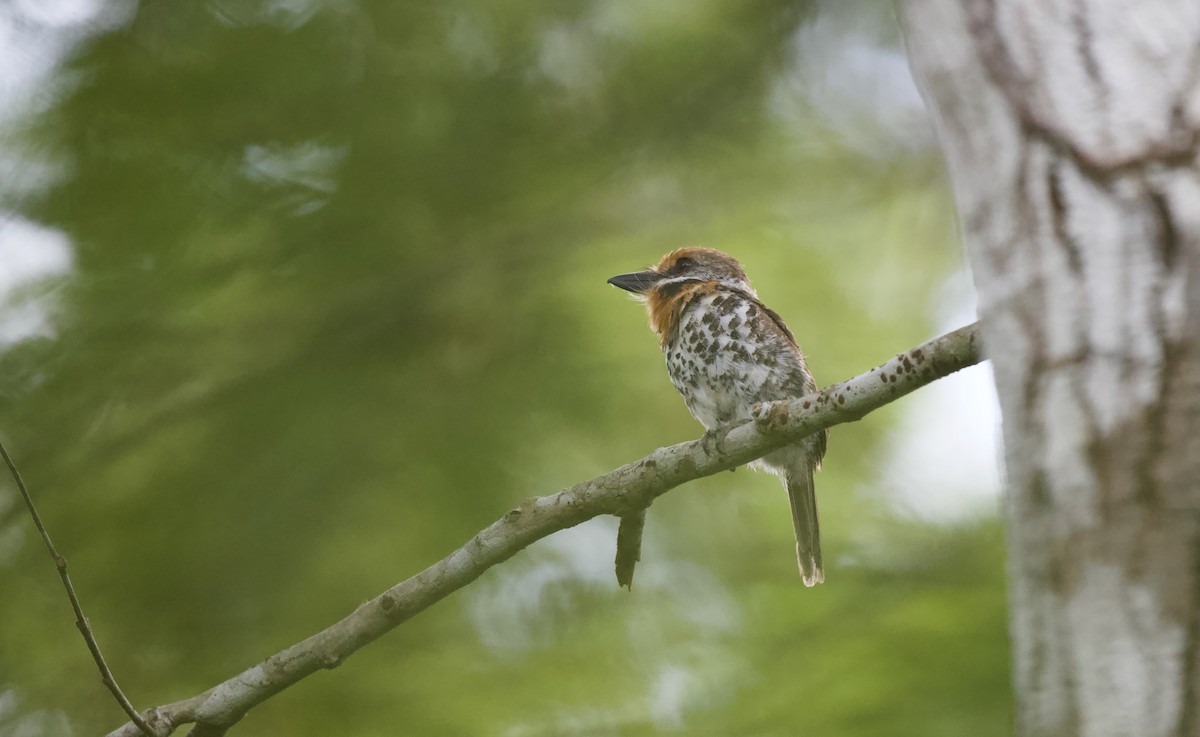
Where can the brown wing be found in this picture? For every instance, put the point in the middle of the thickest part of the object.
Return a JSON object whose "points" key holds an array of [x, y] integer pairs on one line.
{"points": [[778, 321], [821, 439], [775, 318]]}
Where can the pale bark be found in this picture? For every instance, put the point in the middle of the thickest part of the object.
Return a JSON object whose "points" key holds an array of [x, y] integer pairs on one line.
{"points": [[1070, 132], [630, 487]]}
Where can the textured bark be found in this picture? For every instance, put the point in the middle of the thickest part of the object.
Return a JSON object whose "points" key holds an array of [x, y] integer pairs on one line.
{"points": [[1070, 131], [628, 488]]}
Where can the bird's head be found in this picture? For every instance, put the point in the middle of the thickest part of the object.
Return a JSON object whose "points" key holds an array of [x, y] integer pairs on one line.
{"points": [[684, 266]]}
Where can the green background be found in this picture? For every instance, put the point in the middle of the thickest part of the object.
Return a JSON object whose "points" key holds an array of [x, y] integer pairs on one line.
{"points": [[338, 301]]}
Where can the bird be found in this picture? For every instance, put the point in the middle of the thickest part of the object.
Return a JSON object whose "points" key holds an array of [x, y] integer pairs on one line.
{"points": [[726, 353]]}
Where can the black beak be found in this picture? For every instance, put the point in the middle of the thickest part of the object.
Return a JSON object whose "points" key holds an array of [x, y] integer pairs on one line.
{"points": [[638, 282]]}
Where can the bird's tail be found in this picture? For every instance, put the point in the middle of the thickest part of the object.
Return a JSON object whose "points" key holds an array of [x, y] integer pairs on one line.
{"points": [[799, 483], [629, 546]]}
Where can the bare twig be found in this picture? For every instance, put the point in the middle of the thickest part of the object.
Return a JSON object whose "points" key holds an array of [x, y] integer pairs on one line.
{"points": [[622, 491], [85, 628]]}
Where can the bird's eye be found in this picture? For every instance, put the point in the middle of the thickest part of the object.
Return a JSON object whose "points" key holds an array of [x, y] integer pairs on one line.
{"points": [[685, 263]]}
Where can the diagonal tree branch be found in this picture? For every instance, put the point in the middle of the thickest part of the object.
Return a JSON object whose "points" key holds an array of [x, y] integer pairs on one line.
{"points": [[81, 622], [630, 487]]}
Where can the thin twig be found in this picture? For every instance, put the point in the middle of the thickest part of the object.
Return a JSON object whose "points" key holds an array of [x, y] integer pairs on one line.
{"points": [[85, 628], [631, 487]]}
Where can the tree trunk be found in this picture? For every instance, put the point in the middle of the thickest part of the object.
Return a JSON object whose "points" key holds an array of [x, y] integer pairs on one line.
{"points": [[1070, 131]]}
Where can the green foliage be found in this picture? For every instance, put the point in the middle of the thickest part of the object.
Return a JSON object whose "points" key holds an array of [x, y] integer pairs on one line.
{"points": [[338, 301]]}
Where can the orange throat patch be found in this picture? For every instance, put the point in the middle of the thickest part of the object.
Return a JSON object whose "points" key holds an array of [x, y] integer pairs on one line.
{"points": [[665, 306]]}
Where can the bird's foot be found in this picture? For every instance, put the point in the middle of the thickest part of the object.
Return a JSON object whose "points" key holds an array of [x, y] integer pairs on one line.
{"points": [[713, 441]]}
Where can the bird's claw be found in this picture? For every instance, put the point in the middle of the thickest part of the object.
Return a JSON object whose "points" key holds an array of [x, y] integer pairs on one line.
{"points": [[711, 441]]}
